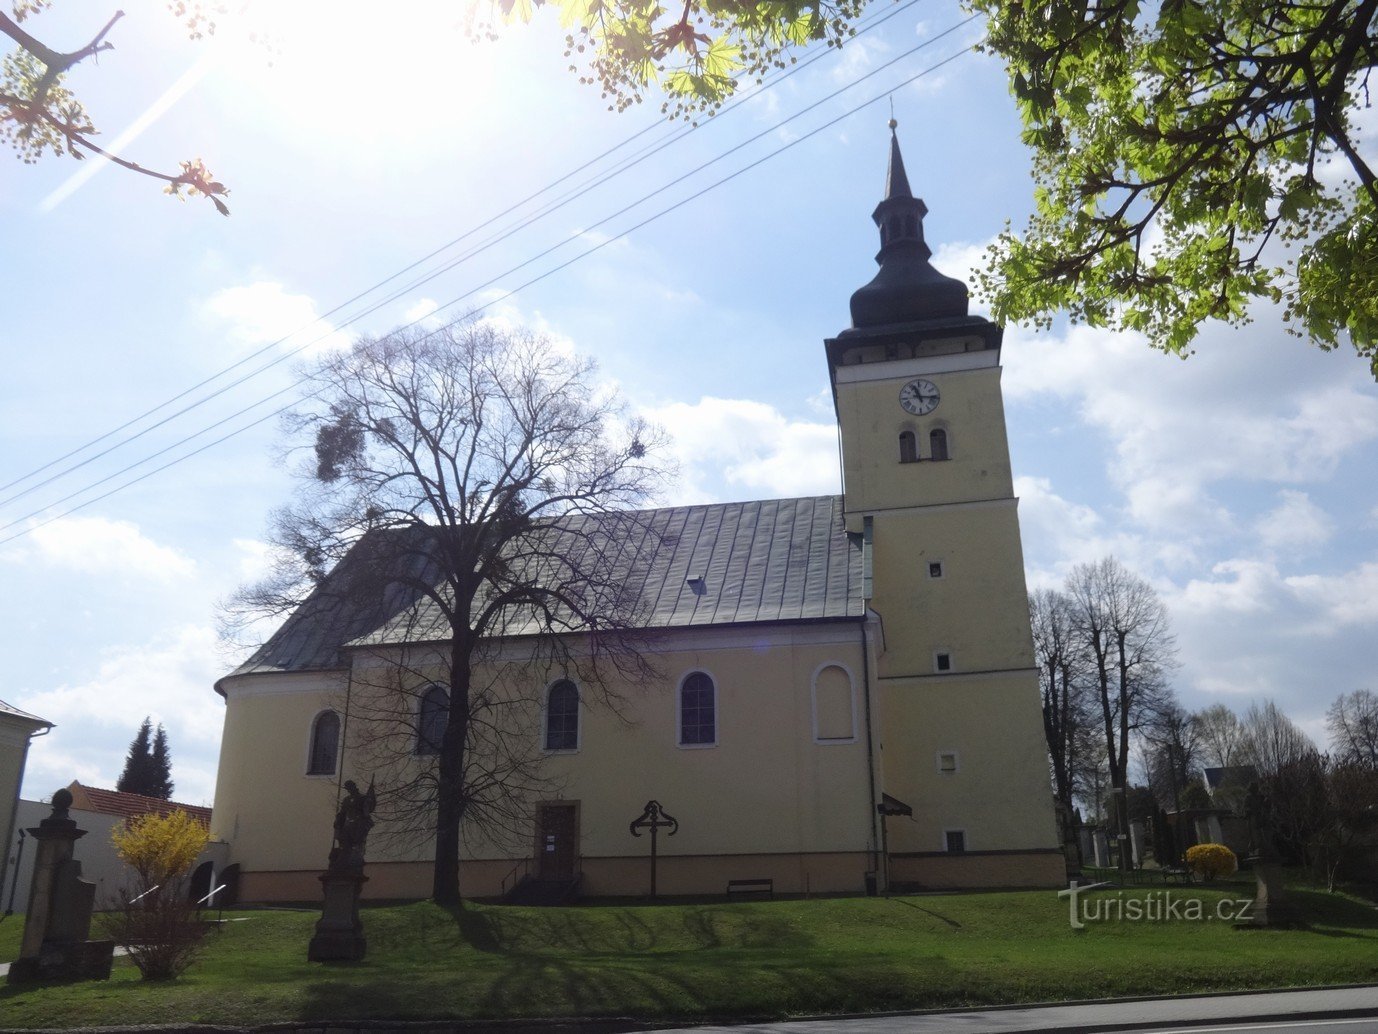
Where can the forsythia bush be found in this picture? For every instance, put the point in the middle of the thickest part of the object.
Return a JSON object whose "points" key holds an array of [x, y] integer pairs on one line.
{"points": [[1211, 860], [155, 921], [160, 847]]}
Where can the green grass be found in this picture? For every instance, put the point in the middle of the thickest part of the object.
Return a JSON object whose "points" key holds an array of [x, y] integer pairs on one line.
{"points": [[697, 961]]}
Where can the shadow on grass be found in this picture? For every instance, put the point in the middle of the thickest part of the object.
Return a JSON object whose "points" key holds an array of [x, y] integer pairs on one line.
{"points": [[553, 932], [919, 908]]}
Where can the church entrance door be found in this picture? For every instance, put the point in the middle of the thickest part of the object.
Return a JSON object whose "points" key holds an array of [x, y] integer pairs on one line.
{"points": [[557, 836]]}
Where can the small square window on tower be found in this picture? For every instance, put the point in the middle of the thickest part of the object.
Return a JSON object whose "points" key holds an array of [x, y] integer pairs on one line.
{"points": [[954, 840], [935, 569], [947, 761], [942, 661]]}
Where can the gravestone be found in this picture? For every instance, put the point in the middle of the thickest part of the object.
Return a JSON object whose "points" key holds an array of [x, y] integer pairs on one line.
{"points": [[56, 944], [1102, 848], [1136, 842]]}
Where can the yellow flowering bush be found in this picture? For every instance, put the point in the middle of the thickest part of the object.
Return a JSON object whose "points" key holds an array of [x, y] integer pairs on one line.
{"points": [[1211, 860], [160, 847], [155, 922]]}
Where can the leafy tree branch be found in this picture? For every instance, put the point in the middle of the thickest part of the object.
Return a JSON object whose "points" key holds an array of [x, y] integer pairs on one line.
{"points": [[39, 114]]}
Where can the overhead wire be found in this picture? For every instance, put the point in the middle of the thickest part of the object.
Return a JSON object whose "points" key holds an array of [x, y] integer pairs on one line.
{"points": [[488, 304], [588, 185]]}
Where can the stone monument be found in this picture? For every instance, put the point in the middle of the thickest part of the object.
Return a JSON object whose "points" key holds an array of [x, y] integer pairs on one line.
{"points": [[55, 944], [339, 932], [1271, 907]]}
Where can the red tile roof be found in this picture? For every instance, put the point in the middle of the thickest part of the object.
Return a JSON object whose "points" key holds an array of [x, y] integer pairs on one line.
{"points": [[129, 805]]}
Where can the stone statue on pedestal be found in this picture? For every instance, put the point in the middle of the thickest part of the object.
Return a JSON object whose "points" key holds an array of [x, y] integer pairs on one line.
{"points": [[339, 932]]}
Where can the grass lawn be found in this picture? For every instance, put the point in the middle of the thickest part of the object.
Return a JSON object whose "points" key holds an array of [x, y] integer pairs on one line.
{"points": [[697, 961]]}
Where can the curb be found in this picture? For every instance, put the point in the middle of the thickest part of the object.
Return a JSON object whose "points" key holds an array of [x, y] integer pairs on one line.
{"points": [[628, 1024]]}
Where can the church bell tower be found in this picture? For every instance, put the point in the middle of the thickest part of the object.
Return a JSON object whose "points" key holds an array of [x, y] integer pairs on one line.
{"points": [[927, 484]]}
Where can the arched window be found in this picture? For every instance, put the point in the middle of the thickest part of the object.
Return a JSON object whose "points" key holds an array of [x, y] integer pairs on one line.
{"points": [[834, 711], [430, 726], [325, 744], [937, 444], [908, 450], [698, 711], [562, 716]]}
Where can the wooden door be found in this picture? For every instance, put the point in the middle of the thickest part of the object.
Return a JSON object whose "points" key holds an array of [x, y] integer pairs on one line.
{"points": [[557, 836]]}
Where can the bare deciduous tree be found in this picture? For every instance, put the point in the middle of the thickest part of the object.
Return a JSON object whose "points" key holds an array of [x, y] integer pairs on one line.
{"points": [[478, 485], [1123, 627], [1271, 741], [1066, 711], [1173, 743], [1221, 738], [1352, 722]]}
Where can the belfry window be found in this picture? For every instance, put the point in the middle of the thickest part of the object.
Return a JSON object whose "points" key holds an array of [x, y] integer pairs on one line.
{"points": [[432, 718], [909, 452], [937, 444], [562, 716], [325, 744]]}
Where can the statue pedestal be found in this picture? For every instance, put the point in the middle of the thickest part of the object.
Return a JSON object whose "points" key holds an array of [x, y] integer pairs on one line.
{"points": [[54, 945], [339, 932], [65, 960], [1271, 907]]}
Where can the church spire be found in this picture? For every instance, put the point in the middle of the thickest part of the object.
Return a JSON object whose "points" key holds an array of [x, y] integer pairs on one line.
{"points": [[896, 182], [907, 289]]}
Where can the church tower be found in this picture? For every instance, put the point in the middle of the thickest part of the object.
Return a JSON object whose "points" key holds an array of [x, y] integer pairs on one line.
{"points": [[927, 484]]}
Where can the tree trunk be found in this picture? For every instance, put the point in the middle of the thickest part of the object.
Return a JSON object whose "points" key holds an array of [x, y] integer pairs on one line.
{"points": [[450, 802]]}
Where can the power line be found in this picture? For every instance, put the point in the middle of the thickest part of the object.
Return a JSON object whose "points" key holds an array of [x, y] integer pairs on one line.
{"points": [[589, 185], [534, 280]]}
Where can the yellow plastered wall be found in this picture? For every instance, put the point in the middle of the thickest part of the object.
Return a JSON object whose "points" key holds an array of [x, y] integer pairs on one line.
{"points": [[970, 410], [767, 787], [998, 792], [977, 611], [273, 815]]}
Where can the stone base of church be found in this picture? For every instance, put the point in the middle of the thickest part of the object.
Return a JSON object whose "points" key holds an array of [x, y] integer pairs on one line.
{"points": [[691, 875], [1036, 867]]}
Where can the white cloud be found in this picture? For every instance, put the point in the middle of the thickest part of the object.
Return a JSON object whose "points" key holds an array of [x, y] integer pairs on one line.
{"points": [[856, 57], [735, 448], [1253, 405], [1349, 598], [169, 679], [98, 546], [264, 311], [420, 310], [1295, 523]]}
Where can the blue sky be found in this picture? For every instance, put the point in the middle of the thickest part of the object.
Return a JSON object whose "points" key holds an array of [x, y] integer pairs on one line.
{"points": [[1240, 482]]}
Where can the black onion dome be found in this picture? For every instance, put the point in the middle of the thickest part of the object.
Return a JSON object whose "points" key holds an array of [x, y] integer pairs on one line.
{"points": [[907, 289]]}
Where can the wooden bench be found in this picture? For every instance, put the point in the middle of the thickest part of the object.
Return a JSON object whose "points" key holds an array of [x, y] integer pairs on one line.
{"points": [[757, 886]]}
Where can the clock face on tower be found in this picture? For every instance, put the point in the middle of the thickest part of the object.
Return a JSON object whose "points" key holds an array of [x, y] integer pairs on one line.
{"points": [[919, 397]]}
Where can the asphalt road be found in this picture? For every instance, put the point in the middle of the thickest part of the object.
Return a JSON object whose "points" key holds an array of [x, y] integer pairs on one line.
{"points": [[1333, 1011]]}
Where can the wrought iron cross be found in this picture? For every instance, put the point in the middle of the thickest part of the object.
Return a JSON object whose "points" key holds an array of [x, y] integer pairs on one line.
{"points": [[655, 818]]}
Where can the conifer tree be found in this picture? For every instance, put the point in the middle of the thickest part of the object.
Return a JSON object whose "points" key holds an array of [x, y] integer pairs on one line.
{"points": [[148, 766], [160, 776], [138, 763]]}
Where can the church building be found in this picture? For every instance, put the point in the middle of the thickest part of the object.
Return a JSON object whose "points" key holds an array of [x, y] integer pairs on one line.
{"points": [[849, 697]]}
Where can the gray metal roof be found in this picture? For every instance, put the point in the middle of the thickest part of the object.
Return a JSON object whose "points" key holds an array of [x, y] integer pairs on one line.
{"points": [[762, 561]]}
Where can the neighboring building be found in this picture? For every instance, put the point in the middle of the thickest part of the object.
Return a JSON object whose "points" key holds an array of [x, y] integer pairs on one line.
{"points": [[850, 686], [98, 812], [17, 728]]}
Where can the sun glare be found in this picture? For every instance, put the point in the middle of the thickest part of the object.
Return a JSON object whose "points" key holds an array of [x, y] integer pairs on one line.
{"points": [[339, 65]]}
